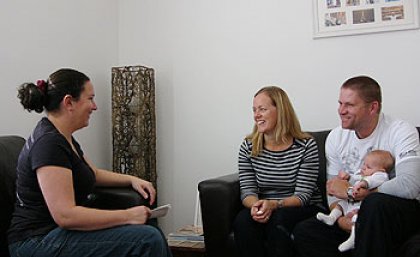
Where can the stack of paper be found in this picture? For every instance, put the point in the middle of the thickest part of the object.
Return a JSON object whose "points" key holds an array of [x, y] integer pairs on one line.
{"points": [[160, 211]]}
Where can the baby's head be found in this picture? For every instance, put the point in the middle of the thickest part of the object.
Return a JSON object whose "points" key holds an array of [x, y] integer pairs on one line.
{"points": [[377, 160]]}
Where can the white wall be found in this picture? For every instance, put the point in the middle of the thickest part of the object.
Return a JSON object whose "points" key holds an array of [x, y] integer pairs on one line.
{"points": [[37, 38], [210, 58]]}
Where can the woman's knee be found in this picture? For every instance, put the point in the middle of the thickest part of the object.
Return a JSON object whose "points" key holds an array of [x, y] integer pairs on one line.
{"points": [[151, 241], [242, 220], [300, 230], [151, 233]]}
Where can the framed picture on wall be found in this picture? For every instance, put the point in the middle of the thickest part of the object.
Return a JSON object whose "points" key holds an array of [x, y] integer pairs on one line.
{"points": [[349, 17]]}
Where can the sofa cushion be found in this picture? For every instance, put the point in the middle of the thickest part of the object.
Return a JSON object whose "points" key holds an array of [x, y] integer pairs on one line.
{"points": [[10, 147], [320, 137]]}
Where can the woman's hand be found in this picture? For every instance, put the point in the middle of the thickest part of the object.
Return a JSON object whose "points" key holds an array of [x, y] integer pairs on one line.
{"points": [[138, 215], [145, 188], [261, 210]]}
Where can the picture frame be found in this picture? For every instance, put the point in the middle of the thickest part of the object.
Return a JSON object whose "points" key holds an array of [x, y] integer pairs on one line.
{"points": [[349, 17]]}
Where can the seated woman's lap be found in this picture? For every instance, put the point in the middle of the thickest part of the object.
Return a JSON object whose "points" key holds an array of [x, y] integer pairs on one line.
{"points": [[128, 240], [274, 236]]}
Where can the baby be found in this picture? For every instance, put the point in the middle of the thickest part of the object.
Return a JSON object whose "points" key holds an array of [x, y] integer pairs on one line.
{"points": [[376, 166]]}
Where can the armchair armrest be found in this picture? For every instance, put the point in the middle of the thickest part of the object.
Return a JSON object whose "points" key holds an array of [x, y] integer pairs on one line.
{"points": [[220, 203], [113, 198], [118, 198]]}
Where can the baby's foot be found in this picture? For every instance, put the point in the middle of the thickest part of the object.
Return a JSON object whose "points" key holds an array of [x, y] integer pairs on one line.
{"points": [[346, 245], [327, 219]]}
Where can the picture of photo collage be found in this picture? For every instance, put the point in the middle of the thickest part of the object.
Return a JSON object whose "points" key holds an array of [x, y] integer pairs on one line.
{"points": [[353, 12]]}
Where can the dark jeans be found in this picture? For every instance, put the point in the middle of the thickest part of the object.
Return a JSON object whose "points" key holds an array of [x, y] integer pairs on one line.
{"points": [[384, 223], [272, 239], [129, 240]]}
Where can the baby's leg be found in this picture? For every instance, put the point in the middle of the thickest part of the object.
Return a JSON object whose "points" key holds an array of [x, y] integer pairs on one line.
{"points": [[332, 217], [349, 243]]}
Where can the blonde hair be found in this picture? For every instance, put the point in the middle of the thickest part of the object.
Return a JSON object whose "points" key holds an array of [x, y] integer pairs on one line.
{"points": [[383, 158], [287, 126]]}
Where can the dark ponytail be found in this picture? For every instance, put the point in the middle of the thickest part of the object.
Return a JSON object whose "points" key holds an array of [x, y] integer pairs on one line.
{"points": [[49, 94], [31, 97]]}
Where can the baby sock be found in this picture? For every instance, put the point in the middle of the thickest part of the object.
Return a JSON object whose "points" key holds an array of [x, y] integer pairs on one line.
{"points": [[329, 219], [349, 243]]}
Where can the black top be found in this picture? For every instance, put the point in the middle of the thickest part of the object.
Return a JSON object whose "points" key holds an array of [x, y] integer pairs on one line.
{"points": [[45, 147]]}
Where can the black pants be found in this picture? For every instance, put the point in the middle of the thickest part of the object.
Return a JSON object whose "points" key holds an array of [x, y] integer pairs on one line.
{"points": [[384, 223], [272, 239], [411, 248]]}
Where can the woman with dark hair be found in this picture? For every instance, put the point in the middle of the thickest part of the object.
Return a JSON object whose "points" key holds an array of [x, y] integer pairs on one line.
{"points": [[278, 171], [54, 179]]}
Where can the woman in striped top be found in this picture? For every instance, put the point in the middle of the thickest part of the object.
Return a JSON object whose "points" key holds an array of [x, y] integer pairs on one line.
{"points": [[278, 171]]}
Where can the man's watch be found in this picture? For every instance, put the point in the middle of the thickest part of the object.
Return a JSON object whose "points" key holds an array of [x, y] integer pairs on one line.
{"points": [[280, 203], [350, 193]]}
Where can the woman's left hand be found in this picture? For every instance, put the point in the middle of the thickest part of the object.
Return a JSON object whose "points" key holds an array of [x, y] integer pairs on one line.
{"points": [[264, 211], [145, 188]]}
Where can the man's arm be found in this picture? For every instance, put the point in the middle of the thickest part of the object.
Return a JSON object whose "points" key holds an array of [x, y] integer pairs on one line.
{"points": [[332, 156], [335, 187], [406, 184], [404, 140]]}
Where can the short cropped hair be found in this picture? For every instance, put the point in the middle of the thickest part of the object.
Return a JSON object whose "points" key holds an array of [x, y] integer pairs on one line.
{"points": [[367, 88]]}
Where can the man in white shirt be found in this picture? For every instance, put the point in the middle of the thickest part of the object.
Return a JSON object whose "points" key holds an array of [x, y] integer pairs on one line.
{"points": [[388, 218]]}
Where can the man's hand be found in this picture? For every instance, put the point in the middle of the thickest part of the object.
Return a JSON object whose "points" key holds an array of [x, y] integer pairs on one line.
{"points": [[361, 193], [359, 185], [345, 223], [338, 188], [343, 175]]}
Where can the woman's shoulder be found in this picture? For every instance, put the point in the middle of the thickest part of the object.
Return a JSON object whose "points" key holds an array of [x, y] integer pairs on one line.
{"points": [[308, 141], [45, 136], [246, 144], [46, 129], [50, 142]]}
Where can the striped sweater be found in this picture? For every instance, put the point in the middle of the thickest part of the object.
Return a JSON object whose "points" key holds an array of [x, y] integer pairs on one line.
{"points": [[280, 174]]}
